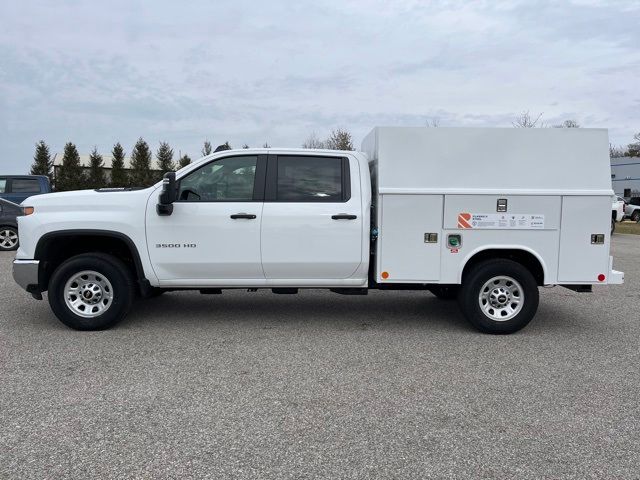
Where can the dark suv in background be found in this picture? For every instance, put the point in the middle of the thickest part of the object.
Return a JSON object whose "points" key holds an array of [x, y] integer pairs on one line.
{"points": [[9, 213], [17, 188]]}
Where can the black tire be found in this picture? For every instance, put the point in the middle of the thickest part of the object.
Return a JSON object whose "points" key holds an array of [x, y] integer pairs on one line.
{"points": [[445, 292], [613, 225], [635, 216], [477, 278], [6, 238], [116, 274]]}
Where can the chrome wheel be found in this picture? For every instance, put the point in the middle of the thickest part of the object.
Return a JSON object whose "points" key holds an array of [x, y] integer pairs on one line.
{"points": [[501, 298], [88, 294], [8, 239]]}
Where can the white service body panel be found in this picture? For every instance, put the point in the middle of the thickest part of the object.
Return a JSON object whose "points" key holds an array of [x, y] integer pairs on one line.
{"points": [[554, 185]]}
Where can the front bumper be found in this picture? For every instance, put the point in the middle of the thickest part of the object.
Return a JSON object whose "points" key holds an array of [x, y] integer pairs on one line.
{"points": [[25, 273]]}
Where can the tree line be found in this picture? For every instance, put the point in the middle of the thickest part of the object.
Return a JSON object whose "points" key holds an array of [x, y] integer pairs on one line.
{"points": [[71, 175]]}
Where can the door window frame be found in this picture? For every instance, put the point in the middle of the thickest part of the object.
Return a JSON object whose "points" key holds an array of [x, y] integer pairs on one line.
{"points": [[258, 181], [271, 190]]}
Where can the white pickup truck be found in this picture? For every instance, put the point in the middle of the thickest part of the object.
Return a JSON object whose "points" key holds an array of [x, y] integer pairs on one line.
{"points": [[483, 215]]}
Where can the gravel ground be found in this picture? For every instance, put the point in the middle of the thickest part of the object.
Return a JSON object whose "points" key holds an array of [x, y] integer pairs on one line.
{"points": [[256, 385]]}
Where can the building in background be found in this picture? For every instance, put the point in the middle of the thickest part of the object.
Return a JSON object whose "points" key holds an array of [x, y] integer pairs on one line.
{"points": [[625, 176], [85, 162]]}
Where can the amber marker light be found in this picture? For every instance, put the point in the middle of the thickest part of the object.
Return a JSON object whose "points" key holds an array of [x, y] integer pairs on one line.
{"points": [[28, 210]]}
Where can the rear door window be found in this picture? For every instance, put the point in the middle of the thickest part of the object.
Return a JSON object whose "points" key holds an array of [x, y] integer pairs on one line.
{"points": [[25, 185], [310, 179], [3, 185]]}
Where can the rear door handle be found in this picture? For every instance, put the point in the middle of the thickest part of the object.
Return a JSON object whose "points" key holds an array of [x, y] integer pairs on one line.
{"points": [[344, 216], [248, 216]]}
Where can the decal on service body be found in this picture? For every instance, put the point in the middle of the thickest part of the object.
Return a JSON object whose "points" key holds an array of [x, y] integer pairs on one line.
{"points": [[505, 221]]}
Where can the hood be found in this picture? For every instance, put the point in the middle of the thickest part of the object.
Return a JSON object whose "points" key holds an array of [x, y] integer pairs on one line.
{"points": [[87, 199]]}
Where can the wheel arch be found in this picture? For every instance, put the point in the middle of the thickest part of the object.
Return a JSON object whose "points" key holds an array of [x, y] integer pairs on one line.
{"points": [[55, 247], [527, 257]]}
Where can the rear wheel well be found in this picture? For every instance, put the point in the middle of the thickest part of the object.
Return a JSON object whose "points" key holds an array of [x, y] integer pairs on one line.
{"points": [[524, 258], [53, 249]]}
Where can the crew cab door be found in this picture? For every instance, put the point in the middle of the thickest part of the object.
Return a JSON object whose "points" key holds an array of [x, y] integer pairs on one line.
{"points": [[213, 234], [312, 218]]}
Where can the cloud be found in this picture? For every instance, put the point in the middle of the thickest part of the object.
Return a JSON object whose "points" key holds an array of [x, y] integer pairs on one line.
{"points": [[97, 72]]}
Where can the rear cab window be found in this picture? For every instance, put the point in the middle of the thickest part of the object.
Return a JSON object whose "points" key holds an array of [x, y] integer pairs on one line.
{"points": [[3, 185], [25, 185], [305, 179]]}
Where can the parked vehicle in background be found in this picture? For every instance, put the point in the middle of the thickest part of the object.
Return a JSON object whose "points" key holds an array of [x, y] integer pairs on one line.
{"points": [[486, 215], [617, 212], [9, 213], [632, 209], [17, 188]]}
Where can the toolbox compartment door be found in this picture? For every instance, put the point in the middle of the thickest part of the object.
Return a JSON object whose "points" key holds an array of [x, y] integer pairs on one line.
{"points": [[580, 260], [405, 254]]}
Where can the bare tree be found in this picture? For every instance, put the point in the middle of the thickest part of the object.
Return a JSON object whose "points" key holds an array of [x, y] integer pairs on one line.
{"points": [[266, 145], [568, 124], [433, 122], [616, 151], [206, 148], [634, 148], [313, 141], [339, 139], [526, 120]]}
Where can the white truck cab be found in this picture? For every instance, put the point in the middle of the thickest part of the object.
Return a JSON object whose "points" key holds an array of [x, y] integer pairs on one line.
{"points": [[482, 215]]}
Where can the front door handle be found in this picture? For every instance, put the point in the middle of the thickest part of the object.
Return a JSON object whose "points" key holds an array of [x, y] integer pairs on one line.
{"points": [[248, 216], [344, 216]]}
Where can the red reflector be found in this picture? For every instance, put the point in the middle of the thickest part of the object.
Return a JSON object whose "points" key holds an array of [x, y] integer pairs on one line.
{"points": [[601, 277]]}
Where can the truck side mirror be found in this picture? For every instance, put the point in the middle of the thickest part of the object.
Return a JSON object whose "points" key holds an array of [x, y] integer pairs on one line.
{"points": [[168, 195]]}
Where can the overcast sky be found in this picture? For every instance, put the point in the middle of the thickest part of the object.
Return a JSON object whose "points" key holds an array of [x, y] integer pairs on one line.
{"points": [[253, 71]]}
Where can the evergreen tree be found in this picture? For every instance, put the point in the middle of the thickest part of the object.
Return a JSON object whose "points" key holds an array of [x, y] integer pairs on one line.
{"points": [[141, 175], [96, 178], [206, 149], [184, 161], [70, 174], [42, 163], [119, 177], [165, 159]]}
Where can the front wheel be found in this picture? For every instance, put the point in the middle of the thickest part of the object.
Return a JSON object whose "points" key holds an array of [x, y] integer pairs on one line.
{"points": [[91, 292], [8, 238], [499, 296], [635, 216]]}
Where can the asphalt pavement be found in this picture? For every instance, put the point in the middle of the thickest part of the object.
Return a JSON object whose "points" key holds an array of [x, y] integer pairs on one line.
{"points": [[318, 385]]}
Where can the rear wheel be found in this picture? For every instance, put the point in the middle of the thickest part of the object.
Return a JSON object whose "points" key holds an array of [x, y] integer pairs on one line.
{"points": [[8, 238], [499, 296], [613, 225], [635, 216], [91, 292]]}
